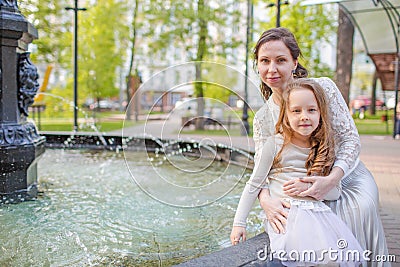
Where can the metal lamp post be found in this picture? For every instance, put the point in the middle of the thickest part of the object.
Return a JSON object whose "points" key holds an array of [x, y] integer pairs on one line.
{"points": [[76, 10], [278, 11], [245, 116]]}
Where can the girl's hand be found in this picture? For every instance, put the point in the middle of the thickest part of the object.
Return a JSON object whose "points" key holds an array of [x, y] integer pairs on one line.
{"points": [[274, 209], [294, 187], [237, 233]]}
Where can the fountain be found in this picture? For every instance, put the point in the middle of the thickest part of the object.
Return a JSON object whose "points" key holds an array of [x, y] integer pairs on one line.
{"points": [[20, 143], [98, 216], [112, 212]]}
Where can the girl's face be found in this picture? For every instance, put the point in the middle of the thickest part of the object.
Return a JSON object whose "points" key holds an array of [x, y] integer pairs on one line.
{"points": [[303, 112], [275, 65]]}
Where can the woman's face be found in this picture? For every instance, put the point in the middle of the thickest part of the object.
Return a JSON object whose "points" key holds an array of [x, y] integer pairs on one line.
{"points": [[275, 65]]}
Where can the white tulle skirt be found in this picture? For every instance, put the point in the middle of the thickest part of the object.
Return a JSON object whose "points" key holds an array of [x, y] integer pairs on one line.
{"points": [[358, 207], [314, 235]]}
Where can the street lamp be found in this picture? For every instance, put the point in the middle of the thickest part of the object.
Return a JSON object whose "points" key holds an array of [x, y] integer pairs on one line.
{"points": [[278, 11], [76, 9], [245, 115]]}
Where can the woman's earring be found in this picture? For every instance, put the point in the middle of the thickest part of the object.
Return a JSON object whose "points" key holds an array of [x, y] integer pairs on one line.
{"points": [[294, 73]]}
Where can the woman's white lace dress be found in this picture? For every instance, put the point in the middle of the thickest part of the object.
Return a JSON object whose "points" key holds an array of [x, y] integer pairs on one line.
{"points": [[359, 202]]}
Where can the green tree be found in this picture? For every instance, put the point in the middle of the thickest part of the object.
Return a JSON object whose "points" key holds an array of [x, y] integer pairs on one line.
{"points": [[53, 47], [202, 29], [223, 80], [103, 39], [48, 17]]}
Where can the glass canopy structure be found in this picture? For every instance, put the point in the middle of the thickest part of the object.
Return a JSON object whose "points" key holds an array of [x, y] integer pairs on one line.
{"points": [[378, 22]]}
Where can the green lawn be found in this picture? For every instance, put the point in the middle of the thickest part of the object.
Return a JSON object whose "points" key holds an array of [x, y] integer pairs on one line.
{"points": [[103, 122], [374, 127], [375, 124], [221, 132], [370, 125], [101, 126]]}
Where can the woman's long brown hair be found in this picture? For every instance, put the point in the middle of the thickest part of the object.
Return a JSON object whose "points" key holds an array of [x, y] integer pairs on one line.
{"points": [[322, 154]]}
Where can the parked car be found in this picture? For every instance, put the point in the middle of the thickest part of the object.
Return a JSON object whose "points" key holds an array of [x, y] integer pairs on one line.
{"points": [[105, 104], [363, 102]]}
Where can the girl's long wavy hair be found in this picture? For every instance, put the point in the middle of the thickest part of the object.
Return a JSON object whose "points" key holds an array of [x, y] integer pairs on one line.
{"points": [[322, 153], [284, 35]]}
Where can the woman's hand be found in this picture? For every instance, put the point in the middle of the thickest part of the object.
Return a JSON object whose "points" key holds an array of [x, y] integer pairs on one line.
{"points": [[294, 187], [321, 185], [237, 233], [274, 209]]}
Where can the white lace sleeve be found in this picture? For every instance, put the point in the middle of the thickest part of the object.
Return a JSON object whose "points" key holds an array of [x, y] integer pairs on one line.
{"points": [[257, 137], [263, 127], [347, 140]]}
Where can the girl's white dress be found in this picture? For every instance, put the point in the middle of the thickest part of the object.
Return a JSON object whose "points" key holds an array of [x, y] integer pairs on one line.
{"points": [[314, 235], [359, 201]]}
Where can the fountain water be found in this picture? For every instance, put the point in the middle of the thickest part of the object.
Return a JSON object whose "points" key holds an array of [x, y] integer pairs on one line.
{"points": [[98, 216]]}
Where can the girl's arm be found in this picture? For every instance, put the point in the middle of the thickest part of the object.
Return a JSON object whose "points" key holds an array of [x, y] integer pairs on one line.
{"points": [[246, 202], [273, 208], [253, 186]]}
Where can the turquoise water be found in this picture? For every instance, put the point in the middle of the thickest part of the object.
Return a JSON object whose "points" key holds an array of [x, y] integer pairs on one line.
{"points": [[122, 209]]}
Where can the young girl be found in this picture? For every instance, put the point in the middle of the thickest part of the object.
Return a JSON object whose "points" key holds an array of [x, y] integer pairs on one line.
{"points": [[303, 146]]}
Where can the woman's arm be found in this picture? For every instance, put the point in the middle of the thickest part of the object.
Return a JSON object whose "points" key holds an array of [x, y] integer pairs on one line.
{"points": [[263, 126], [347, 139], [258, 136], [274, 209]]}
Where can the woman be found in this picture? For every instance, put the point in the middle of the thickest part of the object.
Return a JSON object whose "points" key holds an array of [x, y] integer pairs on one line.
{"points": [[276, 60]]}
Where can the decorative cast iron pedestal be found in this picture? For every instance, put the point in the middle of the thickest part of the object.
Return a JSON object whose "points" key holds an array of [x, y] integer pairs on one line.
{"points": [[20, 143]]}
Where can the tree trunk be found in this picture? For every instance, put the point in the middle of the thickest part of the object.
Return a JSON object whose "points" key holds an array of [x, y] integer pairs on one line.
{"points": [[344, 57], [373, 95], [199, 122], [128, 77], [201, 50]]}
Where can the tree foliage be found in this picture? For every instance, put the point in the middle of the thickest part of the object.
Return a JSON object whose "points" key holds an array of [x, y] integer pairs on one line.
{"points": [[54, 43], [184, 25], [166, 32], [102, 38], [195, 30], [222, 80]]}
